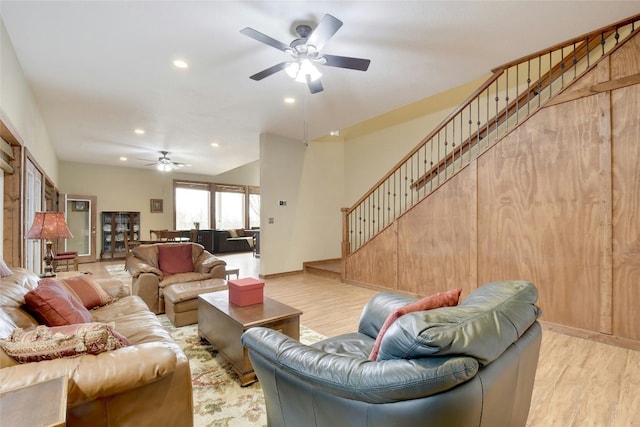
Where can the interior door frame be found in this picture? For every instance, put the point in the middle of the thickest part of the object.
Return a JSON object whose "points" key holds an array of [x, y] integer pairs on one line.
{"points": [[93, 214]]}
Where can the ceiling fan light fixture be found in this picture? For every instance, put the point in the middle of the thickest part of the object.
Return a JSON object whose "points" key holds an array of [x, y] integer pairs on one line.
{"points": [[164, 167], [300, 70]]}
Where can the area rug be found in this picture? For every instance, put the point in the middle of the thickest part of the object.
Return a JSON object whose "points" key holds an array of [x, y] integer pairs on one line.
{"points": [[218, 399]]}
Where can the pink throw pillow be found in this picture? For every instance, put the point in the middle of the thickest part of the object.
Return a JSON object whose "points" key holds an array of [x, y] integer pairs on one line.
{"points": [[442, 299], [86, 290], [54, 306], [173, 259]]}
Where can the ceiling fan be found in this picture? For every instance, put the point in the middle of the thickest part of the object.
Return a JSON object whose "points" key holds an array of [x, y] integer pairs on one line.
{"points": [[305, 53], [164, 163]]}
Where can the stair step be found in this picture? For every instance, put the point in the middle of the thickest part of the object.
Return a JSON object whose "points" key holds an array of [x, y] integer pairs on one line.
{"points": [[329, 268]]}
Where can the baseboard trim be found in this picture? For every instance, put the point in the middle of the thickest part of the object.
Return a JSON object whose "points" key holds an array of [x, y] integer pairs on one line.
{"points": [[591, 335]]}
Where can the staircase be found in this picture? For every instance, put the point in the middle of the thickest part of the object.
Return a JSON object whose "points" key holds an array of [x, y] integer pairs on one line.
{"points": [[513, 93]]}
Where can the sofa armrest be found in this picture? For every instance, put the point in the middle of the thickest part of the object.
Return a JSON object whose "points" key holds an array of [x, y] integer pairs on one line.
{"points": [[147, 287], [95, 376], [207, 262], [378, 309], [136, 266], [354, 378]]}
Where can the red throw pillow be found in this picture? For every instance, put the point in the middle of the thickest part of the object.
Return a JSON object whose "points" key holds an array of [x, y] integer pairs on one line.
{"points": [[54, 306], [441, 299], [86, 290], [173, 259]]}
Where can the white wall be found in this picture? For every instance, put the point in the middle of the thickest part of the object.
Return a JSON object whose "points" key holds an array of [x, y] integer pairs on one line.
{"points": [[310, 181], [19, 109]]}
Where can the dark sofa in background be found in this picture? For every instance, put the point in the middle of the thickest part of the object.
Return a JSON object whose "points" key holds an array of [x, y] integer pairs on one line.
{"points": [[225, 241]]}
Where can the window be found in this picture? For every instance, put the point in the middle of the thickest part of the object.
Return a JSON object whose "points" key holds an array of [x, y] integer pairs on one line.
{"points": [[254, 207], [229, 207], [192, 205], [219, 206]]}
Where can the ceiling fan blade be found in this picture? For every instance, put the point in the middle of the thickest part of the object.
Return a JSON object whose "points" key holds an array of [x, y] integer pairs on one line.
{"points": [[327, 27], [257, 35], [271, 70], [314, 86], [347, 62]]}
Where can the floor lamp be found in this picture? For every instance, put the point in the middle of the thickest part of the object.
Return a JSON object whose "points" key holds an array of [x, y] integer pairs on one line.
{"points": [[49, 226]]}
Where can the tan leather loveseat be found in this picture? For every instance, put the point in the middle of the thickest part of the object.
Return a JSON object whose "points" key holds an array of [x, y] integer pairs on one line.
{"points": [[150, 278], [147, 383]]}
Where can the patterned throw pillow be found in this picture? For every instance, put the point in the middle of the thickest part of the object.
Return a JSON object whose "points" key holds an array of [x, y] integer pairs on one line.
{"points": [[86, 290], [441, 299], [53, 305], [44, 343]]}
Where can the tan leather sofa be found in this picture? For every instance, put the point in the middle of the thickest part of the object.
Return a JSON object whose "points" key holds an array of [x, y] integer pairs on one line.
{"points": [[149, 282], [147, 383]]}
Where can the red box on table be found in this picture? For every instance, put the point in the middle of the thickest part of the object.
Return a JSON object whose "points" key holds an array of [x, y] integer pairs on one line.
{"points": [[247, 291]]}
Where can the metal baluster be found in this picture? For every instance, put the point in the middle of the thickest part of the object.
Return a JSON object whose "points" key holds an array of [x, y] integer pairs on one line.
{"points": [[575, 62], [539, 80], [431, 167], [506, 103], [517, 95], [470, 125], [453, 144], [550, 75], [496, 112]]}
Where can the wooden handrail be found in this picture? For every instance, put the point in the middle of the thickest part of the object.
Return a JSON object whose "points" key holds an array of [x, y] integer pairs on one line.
{"points": [[581, 51]]}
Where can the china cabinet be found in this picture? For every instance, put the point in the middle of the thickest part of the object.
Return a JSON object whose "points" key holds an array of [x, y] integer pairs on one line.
{"points": [[116, 226]]}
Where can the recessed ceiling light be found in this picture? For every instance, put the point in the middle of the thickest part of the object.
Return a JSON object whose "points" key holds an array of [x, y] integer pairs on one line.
{"points": [[215, 144], [139, 131], [123, 158], [180, 63], [289, 100], [335, 133]]}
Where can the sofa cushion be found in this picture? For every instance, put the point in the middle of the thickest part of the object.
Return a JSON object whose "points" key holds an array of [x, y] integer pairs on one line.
{"points": [[85, 290], [173, 259], [44, 343], [441, 299], [483, 326], [54, 306]]}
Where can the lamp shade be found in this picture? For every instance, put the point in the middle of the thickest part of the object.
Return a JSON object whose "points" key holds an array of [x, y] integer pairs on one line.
{"points": [[49, 226]]}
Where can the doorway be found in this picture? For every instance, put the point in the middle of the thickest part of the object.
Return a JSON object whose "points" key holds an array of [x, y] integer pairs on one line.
{"points": [[81, 220]]}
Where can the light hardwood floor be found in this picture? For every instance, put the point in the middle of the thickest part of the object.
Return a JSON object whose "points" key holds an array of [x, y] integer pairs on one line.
{"points": [[578, 382]]}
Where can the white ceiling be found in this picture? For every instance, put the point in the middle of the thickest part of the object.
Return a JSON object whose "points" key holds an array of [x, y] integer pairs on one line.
{"points": [[100, 69]]}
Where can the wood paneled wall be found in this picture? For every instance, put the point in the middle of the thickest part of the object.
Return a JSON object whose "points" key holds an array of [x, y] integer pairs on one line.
{"points": [[556, 202]]}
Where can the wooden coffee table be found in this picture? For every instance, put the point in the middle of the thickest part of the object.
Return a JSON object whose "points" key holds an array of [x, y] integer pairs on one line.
{"points": [[222, 323]]}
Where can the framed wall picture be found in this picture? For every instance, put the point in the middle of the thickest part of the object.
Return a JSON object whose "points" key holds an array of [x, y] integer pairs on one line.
{"points": [[80, 205], [156, 205]]}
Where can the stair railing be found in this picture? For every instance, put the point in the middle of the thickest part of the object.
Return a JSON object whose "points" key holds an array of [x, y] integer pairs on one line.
{"points": [[514, 91]]}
